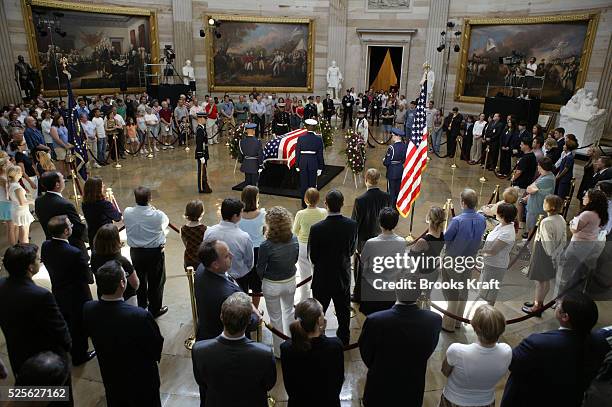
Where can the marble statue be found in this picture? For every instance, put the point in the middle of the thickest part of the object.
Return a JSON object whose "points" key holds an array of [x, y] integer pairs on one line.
{"points": [[188, 73], [334, 80], [428, 74], [582, 117]]}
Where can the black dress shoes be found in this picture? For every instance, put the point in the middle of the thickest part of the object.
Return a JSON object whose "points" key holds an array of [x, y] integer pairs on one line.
{"points": [[161, 311], [87, 357]]}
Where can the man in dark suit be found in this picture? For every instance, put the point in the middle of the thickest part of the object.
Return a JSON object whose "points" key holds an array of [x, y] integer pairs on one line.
{"points": [[29, 316], [52, 203], [347, 109], [366, 208], [70, 278], [212, 286], [395, 345], [328, 108], [229, 360], [331, 244], [309, 158], [452, 127], [550, 368], [127, 340], [492, 137]]}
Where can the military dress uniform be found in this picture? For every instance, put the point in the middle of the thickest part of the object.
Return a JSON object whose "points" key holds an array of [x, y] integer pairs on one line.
{"points": [[251, 154], [201, 156], [309, 160], [394, 161], [280, 122], [328, 109], [347, 109], [310, 111]]}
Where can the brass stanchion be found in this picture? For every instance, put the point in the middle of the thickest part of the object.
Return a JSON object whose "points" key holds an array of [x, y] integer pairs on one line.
{"points": [[74, 188], [454, 164], [447, 209], [194, 310], [187, 141], [117, 165], [259, 331], [484, 167]]}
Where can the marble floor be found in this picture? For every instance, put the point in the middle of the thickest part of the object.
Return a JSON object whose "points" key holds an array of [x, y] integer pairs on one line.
{"points": [[171, 176]]}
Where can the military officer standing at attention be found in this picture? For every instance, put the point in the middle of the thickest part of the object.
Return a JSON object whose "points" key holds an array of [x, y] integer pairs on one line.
{"points": [[328, 108], [310, 110], [309, 158], [362, 126], [251, 154], [347, 108], [280, 123], [394, 161], [201, 153]]}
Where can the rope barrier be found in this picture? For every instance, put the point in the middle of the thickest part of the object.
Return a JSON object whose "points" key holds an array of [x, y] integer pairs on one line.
{"points": [[285, 337]]}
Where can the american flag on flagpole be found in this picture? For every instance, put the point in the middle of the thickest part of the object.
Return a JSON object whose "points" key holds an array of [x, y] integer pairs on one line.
{"points": [[416, 157], [283, 147]]}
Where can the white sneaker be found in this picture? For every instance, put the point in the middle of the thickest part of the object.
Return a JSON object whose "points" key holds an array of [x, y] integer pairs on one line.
{"points": [[171, 147], [144, 151], [164, 148], [96, 165], [155, 148]]}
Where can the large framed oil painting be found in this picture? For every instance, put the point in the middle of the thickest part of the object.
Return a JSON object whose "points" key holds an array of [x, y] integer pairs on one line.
{"points": [[106, 47], [495, 54], [265, 54]]}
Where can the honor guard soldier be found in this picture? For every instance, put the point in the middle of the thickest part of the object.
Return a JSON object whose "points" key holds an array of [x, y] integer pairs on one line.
{"points": [[201, 153], [309, 158], [328, 108], [394, 161], [280, 123], [362, 126], [347, 108], [251, 154], [310, 110], [376, 108]]}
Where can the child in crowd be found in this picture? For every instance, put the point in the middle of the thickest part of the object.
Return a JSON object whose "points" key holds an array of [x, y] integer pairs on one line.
{"points": [[132, 135], [21, 216], [192, 233]]}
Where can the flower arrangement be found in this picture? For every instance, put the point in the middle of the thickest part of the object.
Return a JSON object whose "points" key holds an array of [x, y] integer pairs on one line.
{"points": [[355, 151], [327, 132], [233, 145]]}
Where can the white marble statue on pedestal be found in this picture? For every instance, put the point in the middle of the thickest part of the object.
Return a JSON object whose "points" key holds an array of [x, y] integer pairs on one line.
{"points": [[188, 73], [431, 79], [581, 117], [334, 80]]}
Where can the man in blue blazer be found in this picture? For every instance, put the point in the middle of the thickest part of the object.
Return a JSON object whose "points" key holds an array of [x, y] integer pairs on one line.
{"points": [[212, 286], [70, 277], [231, 369], [395, 345], [127, 340], [554, 368]]}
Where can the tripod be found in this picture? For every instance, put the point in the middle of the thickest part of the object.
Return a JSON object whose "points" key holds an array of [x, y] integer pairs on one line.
{"points": [[170, 72]]}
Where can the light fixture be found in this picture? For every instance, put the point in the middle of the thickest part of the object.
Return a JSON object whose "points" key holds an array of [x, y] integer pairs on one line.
{"points": [[202, 33], [441, 47], [456, 48], [211, 21]]}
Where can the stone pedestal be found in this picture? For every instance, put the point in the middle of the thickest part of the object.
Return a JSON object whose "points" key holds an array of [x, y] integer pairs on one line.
{"points": [[586, 131]]}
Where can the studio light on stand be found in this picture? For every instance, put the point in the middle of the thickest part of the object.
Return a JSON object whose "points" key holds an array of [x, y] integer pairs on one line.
{"points": [[47, 25], [449, 39], [212, 25]]}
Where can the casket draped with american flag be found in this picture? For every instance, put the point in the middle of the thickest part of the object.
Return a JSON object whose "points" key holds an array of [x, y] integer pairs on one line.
{"points": [[282, 148]]}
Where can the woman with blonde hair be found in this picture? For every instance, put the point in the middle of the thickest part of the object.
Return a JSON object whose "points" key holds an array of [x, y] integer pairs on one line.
{"points": [[310, 360], [6, 207], [276, 268], [304, 219], [473, 370], [21, 216], [510, 195]]}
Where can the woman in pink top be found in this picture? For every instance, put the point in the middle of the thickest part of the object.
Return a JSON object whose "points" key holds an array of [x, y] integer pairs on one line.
{"points": [[584, 249]]}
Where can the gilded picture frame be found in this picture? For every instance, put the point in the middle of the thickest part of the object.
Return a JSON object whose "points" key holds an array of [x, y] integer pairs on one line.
{"points": [[150, 16], [214, 49], [586, 22]]}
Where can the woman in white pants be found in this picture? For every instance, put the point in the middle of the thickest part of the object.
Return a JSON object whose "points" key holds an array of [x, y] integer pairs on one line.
{"points": [[304, 219], [276, 268]]}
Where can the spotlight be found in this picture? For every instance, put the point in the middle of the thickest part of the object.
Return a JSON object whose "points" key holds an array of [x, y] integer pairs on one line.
{"points": [[456, 48], [217, 34], [450, 24], [217, 23], [211, 21], [441, 47], [202, 33], [457, 33], [443, 33]]}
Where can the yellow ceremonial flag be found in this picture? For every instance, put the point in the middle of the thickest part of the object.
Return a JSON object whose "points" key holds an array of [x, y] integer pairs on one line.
{"points": [[386, 75]]}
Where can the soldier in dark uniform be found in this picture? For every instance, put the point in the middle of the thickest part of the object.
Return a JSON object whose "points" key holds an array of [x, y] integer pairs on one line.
{"points": [[328, 108], [310, 110], [365, 102], [281, 120], [251, 154], [201, 153], [347, 108], [394, 161], [376, 109], [309, 158]]}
